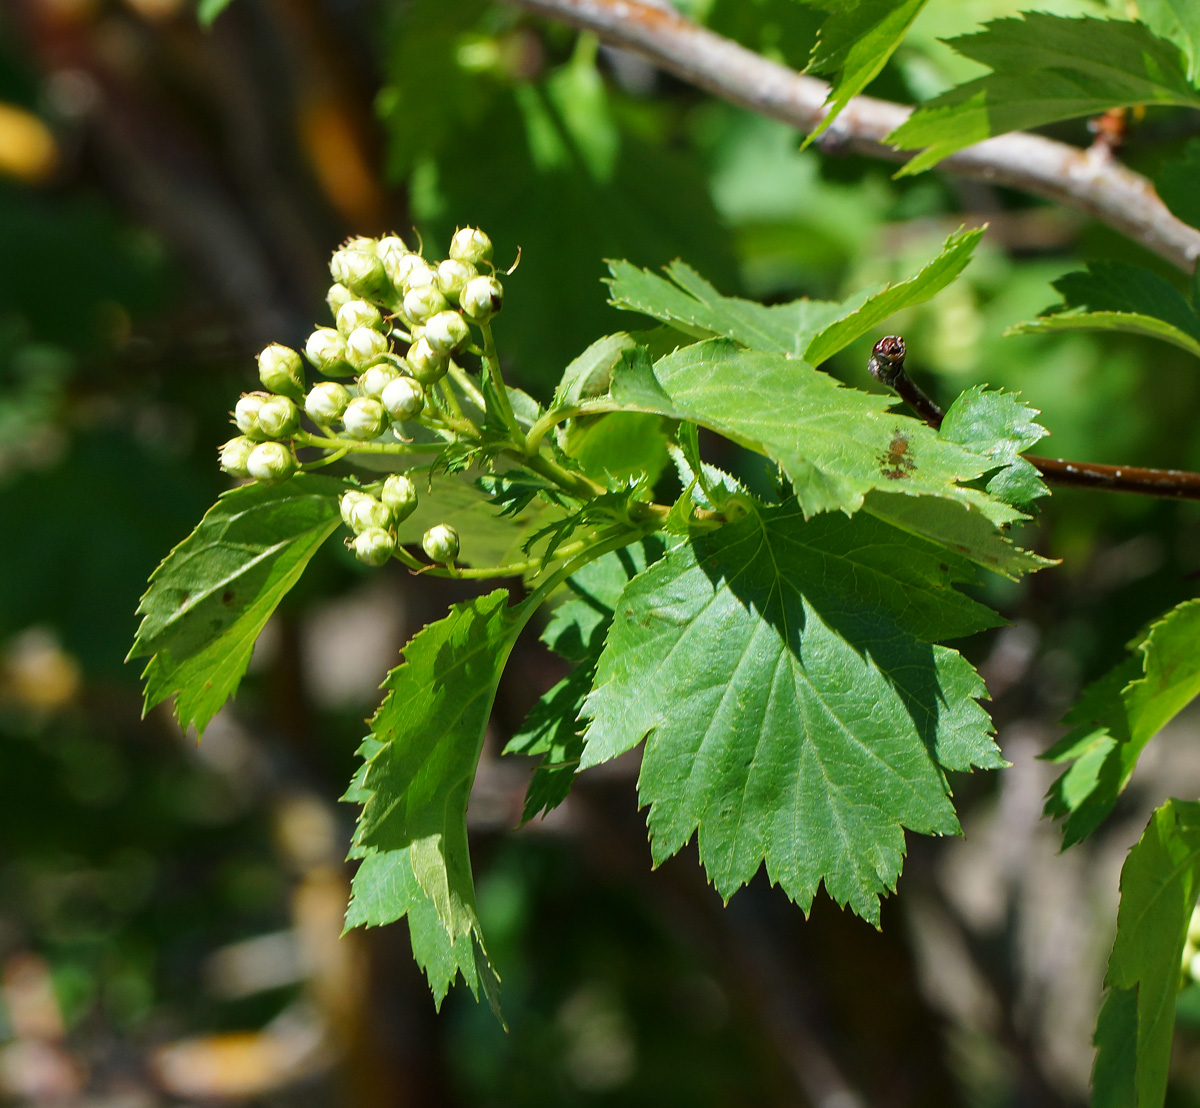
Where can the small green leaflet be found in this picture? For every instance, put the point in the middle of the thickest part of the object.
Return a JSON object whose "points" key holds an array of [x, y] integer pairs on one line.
{"points": [[430, 731], [1045, 68], [1176, 183], [855, 44], [1159, 885], [810, 329], [1178, 21], [1118, 715], [214, 592], [576, 631], [794, 708], [835, 443]]}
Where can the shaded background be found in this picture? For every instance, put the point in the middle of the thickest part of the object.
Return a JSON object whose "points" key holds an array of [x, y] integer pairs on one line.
{"points": [[169, 913]]}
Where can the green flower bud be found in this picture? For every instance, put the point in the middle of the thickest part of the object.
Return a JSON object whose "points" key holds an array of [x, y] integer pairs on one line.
{"points": [[403, 398], [245, 413], [376, 378], [364, 418], [279, 418], [271, 462], [337, 296], [399, 496], [234, 455], [361, 272], [427, 366], [446, 332], [422, 303], [374, 546], [440, 543], [326, 350], [280, 370], [347, 503], [367, 512], [481, 298], [358, 313], [470, 245], [452, 276], [364, 345], [326, 401]]}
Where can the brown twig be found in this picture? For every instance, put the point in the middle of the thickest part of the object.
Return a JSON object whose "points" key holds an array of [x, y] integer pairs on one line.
{"points": [[887, 367], [1092, 182]]}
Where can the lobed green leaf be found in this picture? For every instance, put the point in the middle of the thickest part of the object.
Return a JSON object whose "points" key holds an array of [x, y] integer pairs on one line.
{"points": [[1178, 21]]}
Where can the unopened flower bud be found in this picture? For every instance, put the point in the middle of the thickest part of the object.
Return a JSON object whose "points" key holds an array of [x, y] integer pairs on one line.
{"points": [[358, 313], [446, 332], [470, 245], [347, 503], [452, 276], [326, 350], [418, 274], [426, 364], [440, 543], [364, 345], [399, 496], [376, 378], [481, 298], [270, 462], [403, 398], [280, 370], [422, 303], [245, 413], [364, 418], [361, 272], [374, 546], [279, 418], [364, 243], [234, 455], [326, 401], [367, 512], [337, 296]]}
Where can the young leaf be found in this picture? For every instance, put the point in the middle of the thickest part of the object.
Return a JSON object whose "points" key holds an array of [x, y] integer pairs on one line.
{"points": [[794, 708], [834, 443], [589, 374], [1179, 22], [1176, 183], [1159, 885], [214, 592], [1118, 715], [1125, 323], [855, 44], [1045, 68]]}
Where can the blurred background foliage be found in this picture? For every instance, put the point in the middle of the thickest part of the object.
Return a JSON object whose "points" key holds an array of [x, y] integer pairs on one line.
{"points": [[169, 913]]}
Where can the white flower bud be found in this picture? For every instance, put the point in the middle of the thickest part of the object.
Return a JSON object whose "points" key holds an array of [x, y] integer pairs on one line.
{"points": [[403, 398], [245, 413], [326, 401], [270, 462], [470, 245], [481, 298], [347, 503], [446, 332], [367, 512], [358, 313], [440, 543], [278, 418], [326, 350], [364, 243], [234, 455], [421, 303], [426, 364], [374, 546], [364, 345], [361, 272], [376, 378], [364, 418], [452, 276], [337, 296], [280, 370], [419, 274], [399, 496]]}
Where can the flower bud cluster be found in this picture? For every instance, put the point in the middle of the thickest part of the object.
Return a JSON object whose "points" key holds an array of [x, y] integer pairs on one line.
{"points": [[373, 519], [384, 296]]}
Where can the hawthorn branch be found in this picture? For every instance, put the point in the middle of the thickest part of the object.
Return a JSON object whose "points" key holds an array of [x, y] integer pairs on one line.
{"points": [[887, 367], [1090, 181]]}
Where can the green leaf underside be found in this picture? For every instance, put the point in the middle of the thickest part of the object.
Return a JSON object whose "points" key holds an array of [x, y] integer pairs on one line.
{"points": [[835, 444], [1121, 287], [576, 631], [1120, 322], [855, 45], [1118, 715], [795, 708], [811, 329], [1045, 68], [213, 594], [1177, 21], [1176, 183], [1159, 885], [429, 732]]}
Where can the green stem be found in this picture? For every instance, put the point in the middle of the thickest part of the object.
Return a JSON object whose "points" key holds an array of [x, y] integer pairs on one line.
{"points": [[336, 456], [452, 404], [303, 438], [470, 390], [555, 416], [618, 539], [574, 483], [491, 361]]}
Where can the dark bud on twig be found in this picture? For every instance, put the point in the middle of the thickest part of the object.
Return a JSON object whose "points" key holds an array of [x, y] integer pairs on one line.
{"points": [[887, 360]]}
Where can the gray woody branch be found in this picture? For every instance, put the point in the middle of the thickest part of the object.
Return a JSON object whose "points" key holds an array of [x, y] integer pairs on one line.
{"points": [[1088, 180]]}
